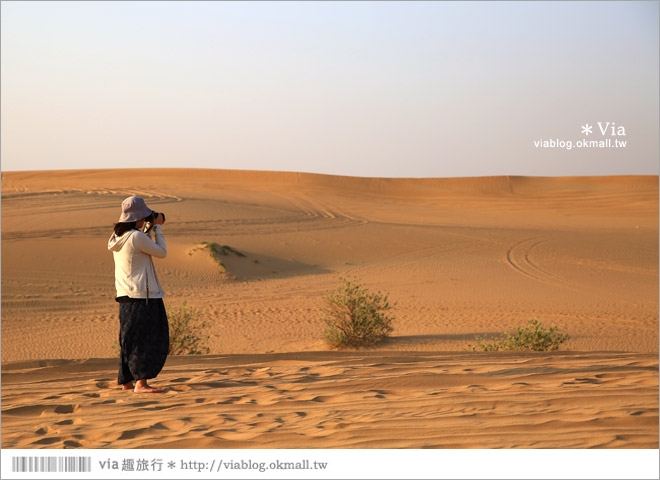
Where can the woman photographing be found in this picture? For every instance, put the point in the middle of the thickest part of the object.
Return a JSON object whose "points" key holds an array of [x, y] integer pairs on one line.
{"points": [[143, 327]]}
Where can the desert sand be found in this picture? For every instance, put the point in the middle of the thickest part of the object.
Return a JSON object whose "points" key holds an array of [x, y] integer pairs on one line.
{"points": [[461, 257], [341, 400]]}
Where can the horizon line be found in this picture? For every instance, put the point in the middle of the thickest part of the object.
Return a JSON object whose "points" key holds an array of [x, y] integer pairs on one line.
{"points": [[324, 174]]}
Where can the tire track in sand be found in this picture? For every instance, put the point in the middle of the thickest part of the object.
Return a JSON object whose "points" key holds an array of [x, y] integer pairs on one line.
{"points": [[519, 257]]}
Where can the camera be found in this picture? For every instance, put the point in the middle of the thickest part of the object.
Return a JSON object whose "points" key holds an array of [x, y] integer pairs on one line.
{"points": [[153, 216], [151, 219]]}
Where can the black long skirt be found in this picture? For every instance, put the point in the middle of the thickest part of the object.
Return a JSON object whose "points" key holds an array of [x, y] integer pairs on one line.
{"points": [[143, 337]]}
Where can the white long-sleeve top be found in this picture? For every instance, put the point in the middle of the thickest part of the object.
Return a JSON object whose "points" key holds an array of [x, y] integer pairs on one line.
{"points": [[135, 275]]}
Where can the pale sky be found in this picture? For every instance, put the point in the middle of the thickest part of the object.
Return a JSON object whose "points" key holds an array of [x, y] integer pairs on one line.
{"points": [[383, 89]]}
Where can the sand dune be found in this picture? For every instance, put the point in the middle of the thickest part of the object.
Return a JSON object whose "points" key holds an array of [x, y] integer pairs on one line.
{"points": [[461, 257], [341, 400]]}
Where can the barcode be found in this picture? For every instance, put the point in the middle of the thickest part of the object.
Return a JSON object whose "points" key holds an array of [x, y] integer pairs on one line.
{"points": [[51, 464]]}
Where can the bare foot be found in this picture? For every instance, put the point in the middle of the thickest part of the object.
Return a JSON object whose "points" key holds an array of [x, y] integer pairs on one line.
{"points": [[141, 386], [127, 386], [147, 389]]}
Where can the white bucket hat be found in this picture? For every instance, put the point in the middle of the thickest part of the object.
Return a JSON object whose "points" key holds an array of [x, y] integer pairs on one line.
{"points": [[134, 209]]}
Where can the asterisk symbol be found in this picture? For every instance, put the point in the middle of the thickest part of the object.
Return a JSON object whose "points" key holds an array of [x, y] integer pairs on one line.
{"points": [[586, 129], [171, 465]]}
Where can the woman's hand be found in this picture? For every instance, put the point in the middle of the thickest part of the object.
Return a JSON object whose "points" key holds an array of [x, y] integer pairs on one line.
{"points": [[159, 220]]}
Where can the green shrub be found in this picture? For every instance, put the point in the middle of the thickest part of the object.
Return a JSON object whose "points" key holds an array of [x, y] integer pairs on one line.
{"points": [[186, 337], [534, 337], [355, 317]]}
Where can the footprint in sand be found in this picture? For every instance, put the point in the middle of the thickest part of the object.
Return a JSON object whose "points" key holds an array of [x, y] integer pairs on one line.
{"points": [[46, 430], [308, 378], [176, 423], [230, 400], [180, 388], [159, 426], [67, 409], [47, 441], [131, 434], [379, 394], [26, 411], [643, 412], [66, 422]]}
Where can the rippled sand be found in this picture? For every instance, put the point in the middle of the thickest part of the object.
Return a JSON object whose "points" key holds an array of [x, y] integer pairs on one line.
{"points": [[341, 400]]}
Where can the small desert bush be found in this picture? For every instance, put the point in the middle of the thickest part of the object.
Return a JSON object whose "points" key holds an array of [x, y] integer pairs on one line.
{"points": [[186, 337], [355, 317], [187, 332], [534, 336], [216, 250]]}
